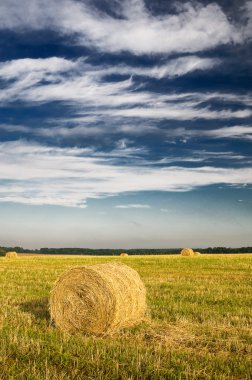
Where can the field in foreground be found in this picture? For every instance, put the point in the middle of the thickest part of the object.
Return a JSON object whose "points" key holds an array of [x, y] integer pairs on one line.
{"points": [[201, 327]]}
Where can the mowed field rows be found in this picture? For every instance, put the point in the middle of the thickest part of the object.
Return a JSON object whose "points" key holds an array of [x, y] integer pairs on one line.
{"points": [[199, 326]]}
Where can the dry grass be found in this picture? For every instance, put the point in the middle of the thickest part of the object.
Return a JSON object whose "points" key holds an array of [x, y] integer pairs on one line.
{"points": [[201, 326], [98, 299]]}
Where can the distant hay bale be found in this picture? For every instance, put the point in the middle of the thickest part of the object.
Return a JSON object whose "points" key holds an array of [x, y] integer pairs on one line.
{"points": [[124, 254], [11, 254], [187, 252], [196, 253], [98, 299]]}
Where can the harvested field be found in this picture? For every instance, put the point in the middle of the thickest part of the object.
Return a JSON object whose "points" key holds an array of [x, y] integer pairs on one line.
{"points": [[200, 327]]}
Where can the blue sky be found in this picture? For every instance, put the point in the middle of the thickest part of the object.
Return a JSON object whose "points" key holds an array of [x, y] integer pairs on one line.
{"points": [[125, 123]]}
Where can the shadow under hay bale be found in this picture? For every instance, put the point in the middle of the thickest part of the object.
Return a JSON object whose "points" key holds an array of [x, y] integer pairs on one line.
{"points": [[187, 252], [98, 299], [11, 255], [38, 308]]}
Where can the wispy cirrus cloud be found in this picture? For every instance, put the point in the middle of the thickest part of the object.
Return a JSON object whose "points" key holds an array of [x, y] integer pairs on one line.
{"points": [[234, 132], [242, 132], [15, 128], [36, 68], [172, 68], [180, 111], [70, 176], [141, 206], [83, 86], [191, 29], [198, 156], [47, 67]]}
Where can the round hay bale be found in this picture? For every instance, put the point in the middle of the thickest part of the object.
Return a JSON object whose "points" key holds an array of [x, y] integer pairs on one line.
{"points": [[98, 299], [187, 252], [124, 254], [196, 253], [11, 254]]}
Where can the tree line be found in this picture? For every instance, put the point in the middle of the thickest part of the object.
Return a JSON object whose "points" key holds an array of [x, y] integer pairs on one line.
{"points": [[116, 252]]}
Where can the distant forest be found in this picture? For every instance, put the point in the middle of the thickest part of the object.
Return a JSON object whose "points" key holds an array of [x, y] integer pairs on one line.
{"points": [[116, 252]]}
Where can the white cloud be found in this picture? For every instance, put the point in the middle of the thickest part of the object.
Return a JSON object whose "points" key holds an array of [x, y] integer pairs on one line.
{"points": [[48, 68], [179, 111], [172, 68], [85, 88], [133, 206], [205, 155], [183, 65], [228, 97], [66, 132], [82, 85], [192, 29], [37, 174], [235, 132], [15, 128], [38, 67], [84, 128]]}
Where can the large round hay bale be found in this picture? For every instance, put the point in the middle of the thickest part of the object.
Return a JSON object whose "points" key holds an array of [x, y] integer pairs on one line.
{"points": [[196, 253], [11, 254], [187, 252], [124, 254], [98, 299]]}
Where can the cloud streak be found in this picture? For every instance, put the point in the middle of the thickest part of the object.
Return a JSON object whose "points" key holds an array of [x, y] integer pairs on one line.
{"points": [[70, 176], [36, 68], [235, 132], [173, 68], [241, 132], [85, 87], [44, 68], [141, 206], [191, 29]]}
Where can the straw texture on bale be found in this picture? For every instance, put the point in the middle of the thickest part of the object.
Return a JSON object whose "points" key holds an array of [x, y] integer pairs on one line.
{"points": [[124, 254], [11, 254], [98, 299], [196, 253], [187, 252]]}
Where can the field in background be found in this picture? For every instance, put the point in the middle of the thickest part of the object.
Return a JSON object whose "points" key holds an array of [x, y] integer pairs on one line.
{"points": [[201, 326]]}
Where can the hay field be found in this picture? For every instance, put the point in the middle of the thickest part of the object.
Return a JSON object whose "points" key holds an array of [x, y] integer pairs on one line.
{"points": [[201, 327]]}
